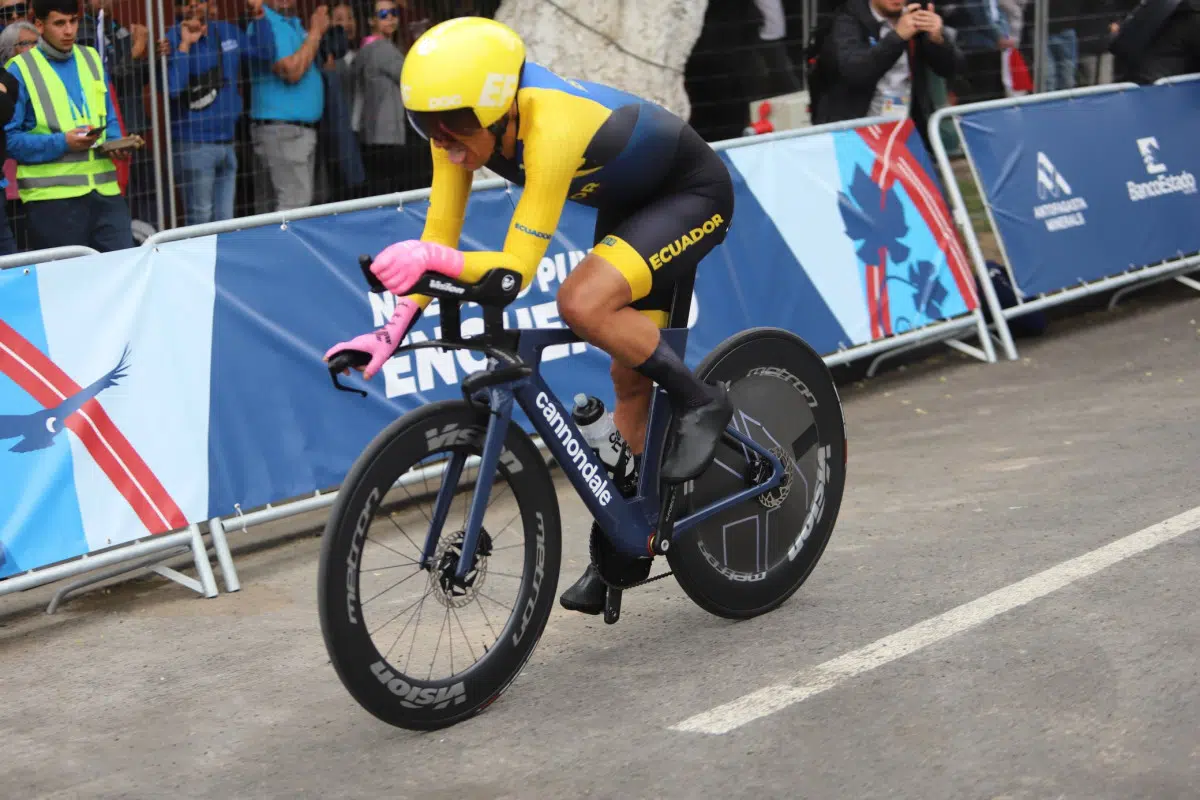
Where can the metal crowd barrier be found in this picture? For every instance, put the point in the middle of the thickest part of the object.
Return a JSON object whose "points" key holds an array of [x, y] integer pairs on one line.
{"points": [[1140, 276], [151, 551]]}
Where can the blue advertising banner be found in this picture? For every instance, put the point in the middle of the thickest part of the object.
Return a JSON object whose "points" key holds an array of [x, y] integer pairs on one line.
{"points": [[1088, 187], [148, 388]]}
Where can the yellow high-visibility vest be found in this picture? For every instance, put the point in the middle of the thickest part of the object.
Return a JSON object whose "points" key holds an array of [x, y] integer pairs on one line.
{"points": [[77, 172]]}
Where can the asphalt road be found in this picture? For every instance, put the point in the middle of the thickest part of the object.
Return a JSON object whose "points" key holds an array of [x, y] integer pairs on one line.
{"points": [[965, 481]]}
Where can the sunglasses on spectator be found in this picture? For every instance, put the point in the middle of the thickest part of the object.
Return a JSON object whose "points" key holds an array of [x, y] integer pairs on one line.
{"points": [[384, 13]]}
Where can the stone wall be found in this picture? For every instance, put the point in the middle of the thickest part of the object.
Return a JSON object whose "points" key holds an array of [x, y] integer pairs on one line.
{"points": [[640, 46]]}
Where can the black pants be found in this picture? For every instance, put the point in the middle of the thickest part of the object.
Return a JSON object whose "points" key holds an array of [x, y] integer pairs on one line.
{"points": [[982, 78], [92, 220]]}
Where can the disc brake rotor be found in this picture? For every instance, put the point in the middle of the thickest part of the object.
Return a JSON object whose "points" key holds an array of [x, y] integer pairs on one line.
{"points": [[449, 590], [777, 496]]}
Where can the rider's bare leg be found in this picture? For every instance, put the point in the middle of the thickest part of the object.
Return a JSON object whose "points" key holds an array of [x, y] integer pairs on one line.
{"points": [[594, 301], [632, 409]]}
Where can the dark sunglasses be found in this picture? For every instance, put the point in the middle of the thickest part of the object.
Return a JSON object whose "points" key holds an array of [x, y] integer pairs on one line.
{"points": [[438, 125], [384, 13]]}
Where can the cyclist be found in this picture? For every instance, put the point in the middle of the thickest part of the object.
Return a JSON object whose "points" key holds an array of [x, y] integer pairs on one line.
{"points": [[663, 200]]}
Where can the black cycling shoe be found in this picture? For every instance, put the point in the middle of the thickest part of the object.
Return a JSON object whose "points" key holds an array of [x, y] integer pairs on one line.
{"points": [[586, 595], [697, 432]]}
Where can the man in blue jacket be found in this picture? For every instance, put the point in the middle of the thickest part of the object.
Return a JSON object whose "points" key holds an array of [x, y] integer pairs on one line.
{"points": [[202, 81], [63, 116]]}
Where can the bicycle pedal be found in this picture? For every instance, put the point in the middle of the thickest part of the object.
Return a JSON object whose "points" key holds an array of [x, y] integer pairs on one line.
{"points": [[612, 605]]}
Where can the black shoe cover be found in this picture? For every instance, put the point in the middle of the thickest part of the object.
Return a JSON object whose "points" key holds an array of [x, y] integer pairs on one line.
{"points": [[586, 595], [697, 431]]}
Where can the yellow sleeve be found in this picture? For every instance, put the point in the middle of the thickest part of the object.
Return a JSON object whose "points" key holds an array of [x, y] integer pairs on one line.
{"points": [[549, 169], [447, 201], [448, 195]]}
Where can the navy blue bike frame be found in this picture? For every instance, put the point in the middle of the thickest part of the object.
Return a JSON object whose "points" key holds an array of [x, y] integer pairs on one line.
{"points": [[628, 523]]}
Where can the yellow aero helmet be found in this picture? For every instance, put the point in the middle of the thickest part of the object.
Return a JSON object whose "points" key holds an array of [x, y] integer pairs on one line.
{"points": [[461, 75]]}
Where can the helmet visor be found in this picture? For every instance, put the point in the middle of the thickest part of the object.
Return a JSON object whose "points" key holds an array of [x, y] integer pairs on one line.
{"points": [[439, 124]]}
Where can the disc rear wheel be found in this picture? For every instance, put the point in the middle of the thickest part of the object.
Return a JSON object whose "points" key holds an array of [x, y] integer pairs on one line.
{"points": [[750, 558]]}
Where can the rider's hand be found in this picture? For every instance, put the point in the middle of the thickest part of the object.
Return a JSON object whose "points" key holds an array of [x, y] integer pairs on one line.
{"points": [[401, 265], [383, 342]]}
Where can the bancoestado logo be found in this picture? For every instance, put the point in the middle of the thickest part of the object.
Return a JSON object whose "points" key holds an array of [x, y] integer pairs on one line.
{"points": [[1163, 183], [577, 452], [679, 245], [1064, 211]]}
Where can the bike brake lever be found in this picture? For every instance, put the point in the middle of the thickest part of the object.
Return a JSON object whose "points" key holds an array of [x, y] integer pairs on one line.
{"points": [[343, 361]]}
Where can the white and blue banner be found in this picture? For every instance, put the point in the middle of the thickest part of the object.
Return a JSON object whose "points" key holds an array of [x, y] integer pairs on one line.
{"points": [[149, 388], [1089, 187]]}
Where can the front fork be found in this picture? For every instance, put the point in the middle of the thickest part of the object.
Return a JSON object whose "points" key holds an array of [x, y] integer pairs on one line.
{"points": [[500, 415]]}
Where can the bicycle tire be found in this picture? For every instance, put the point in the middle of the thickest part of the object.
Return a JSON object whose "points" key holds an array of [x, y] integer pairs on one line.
{"points": [[380, 688], [757, 352]]}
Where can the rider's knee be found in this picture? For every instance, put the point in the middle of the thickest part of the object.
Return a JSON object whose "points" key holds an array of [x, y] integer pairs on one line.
{"points": [[576, 306]]}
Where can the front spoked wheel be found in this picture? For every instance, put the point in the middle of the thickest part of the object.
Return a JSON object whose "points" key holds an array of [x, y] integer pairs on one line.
{"points": [[750, 558], [419, 647]]}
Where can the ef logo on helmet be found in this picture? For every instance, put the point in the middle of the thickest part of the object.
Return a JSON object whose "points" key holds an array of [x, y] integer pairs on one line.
{"points": [[498, 90]]}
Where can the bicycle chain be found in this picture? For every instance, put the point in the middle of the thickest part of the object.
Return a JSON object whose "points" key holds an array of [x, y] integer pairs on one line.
{"points": [[626, 489], [610, 584]]}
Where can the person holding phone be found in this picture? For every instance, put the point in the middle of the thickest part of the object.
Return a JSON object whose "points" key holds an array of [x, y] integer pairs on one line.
{"points": [[882, 53], [64, 135]]}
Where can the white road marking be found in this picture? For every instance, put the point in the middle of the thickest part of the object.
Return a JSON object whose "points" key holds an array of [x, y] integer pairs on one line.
{"points": [[813, 681]]}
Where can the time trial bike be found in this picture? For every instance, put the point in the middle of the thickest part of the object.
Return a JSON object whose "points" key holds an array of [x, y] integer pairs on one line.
{"points": [[450, 515]]}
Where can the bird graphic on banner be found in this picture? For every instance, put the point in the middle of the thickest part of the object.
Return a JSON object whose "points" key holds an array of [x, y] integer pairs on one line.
{"points": [[37, 431]]}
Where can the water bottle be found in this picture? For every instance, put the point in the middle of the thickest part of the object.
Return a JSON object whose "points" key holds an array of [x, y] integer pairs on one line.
{"points": [[599, 431]]}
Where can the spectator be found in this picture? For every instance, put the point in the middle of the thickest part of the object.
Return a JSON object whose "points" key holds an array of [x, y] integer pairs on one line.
{"points": [[384, 124], [125, 53], [287, 98], [342, 16], [15, 39], [774, 63], [1062, 45], [1172, 49], [202, 82], [1014, 70], [11, 11], [8, 94], [880, 52], [982, 36], [1095, 62], [340, 174], [68, 185]]}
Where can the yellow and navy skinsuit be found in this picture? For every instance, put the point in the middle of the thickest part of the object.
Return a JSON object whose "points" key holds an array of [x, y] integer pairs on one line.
{"points": [[663, 197]]}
